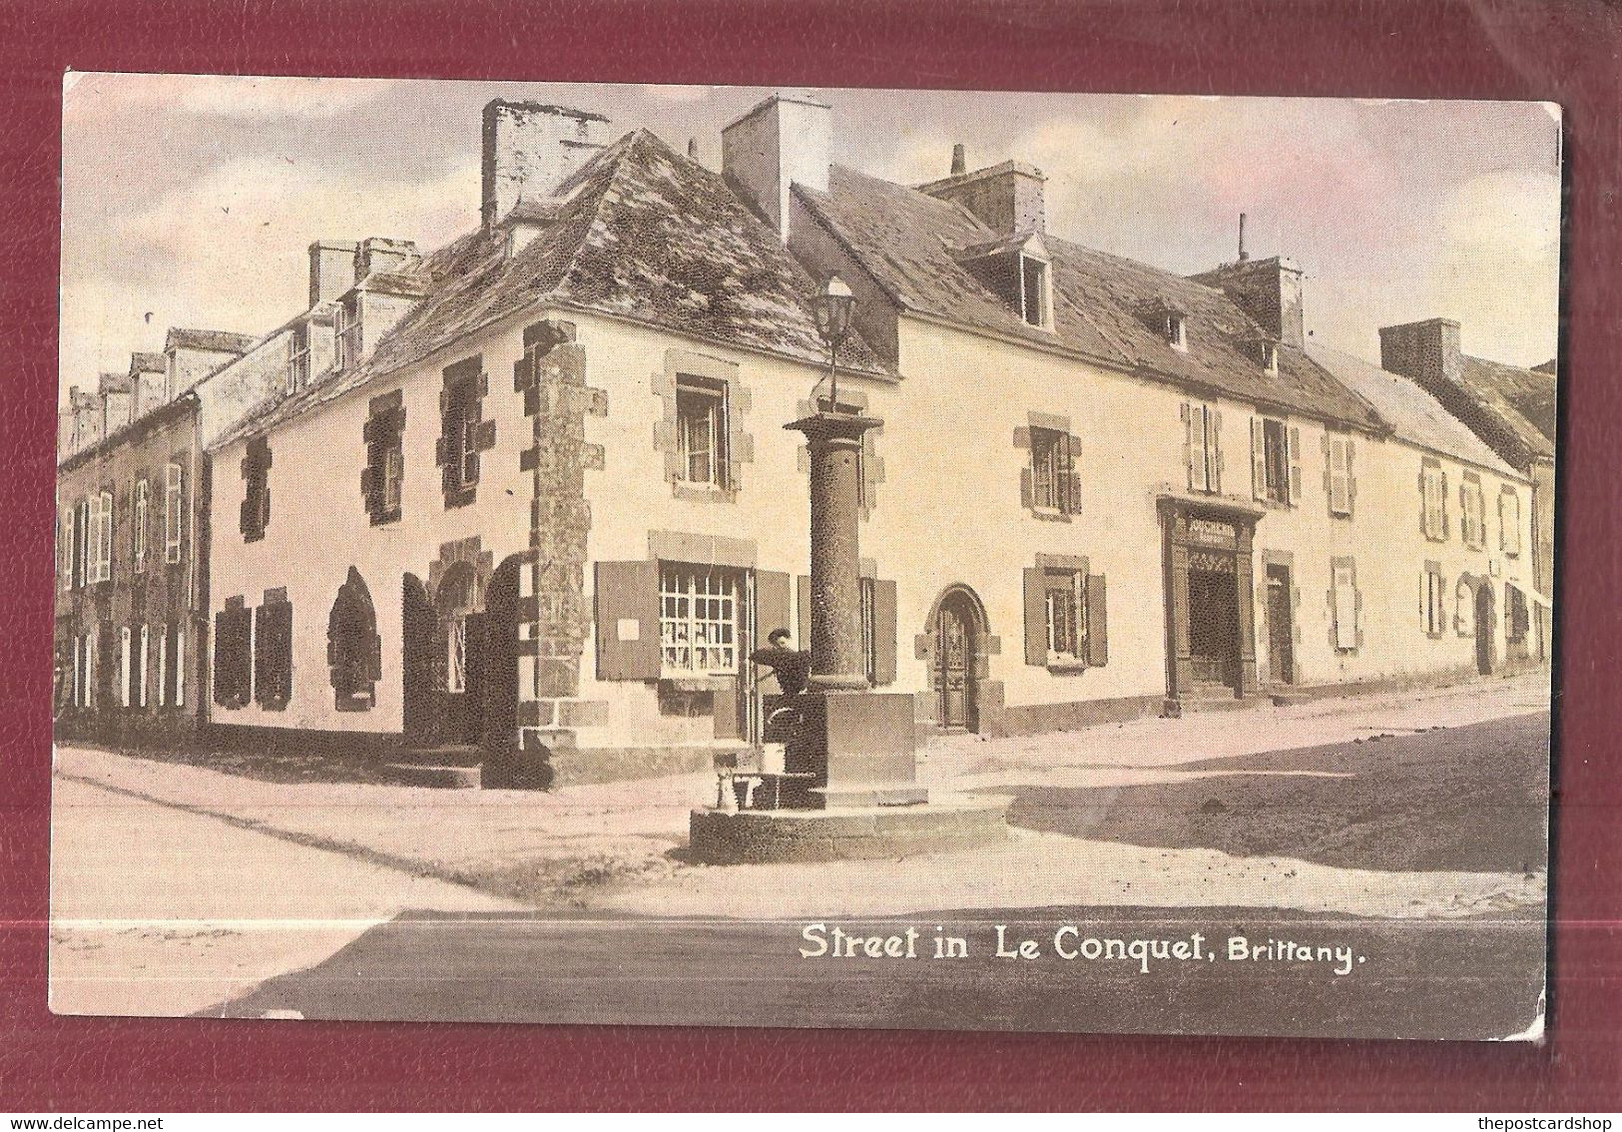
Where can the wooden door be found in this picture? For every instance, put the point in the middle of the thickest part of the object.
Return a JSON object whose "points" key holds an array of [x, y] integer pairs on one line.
{"points": [[1280, 631], [955, 650], [1484, 629]]}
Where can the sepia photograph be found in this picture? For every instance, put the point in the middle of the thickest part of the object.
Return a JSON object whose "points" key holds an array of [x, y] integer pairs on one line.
{"points": [[753, 556]]}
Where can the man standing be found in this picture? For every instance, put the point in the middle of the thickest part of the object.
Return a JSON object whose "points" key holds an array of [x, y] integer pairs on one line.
{"points": [[791, 666]]}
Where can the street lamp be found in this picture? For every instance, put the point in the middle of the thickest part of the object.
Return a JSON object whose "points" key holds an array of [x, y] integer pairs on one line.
{"points": [[832, 310]]}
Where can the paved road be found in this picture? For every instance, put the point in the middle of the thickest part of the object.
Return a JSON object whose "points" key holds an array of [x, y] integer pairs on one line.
{"points": [[1461, 979]]}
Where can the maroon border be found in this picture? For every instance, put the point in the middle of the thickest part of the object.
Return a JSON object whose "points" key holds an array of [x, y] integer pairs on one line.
{"points": [[1565, 52]]}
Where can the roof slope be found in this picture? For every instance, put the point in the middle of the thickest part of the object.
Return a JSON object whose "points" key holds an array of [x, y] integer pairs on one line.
{"points": [[1413, 414], [1524, 398], [911, 242], [639, 232]]}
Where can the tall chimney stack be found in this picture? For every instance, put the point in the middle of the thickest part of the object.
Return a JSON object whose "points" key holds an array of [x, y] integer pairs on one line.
{"points": [[1429, 352], [960, 160], [784, 141], [1243, 254], [530, 149]]}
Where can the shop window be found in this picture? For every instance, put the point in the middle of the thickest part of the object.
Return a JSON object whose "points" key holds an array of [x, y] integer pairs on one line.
{"points": [[698, 621]]}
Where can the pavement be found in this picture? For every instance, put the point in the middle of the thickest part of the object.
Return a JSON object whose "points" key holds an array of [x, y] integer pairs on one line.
{"points": [[176, 887]]}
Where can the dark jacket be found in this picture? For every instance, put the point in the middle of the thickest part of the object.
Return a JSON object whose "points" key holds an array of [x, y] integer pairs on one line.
{"points": [[791, 667]]}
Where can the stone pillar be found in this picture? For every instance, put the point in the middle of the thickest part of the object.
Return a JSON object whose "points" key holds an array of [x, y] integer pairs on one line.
{"points": [[834, 441]]}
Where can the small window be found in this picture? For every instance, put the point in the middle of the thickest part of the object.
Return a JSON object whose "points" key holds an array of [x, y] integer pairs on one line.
{"points": [[1275, 461], [383, 479], [102, 528], [1176, 330], [298, 358], [1340, 475], [1033, 291], [463, 432], [139, 522], [1050, 470], [698, 621], [1066, 616], [1433, 489], [172, 513], [1268, 353], [701, 431], [1509, 521], [348, 339], [1432, 601], [1472, 512]]}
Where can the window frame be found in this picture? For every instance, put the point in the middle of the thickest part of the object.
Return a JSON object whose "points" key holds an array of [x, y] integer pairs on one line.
{"points": [[1051, 467], [173, 511], [1066, 591], [1433, 498], [298, 358], [1202, 432], [715, 396], [720, 585], [1433, 601], [1275, 437], [141, 508], [1510, 542], [1043, 288], [1343, 445]]}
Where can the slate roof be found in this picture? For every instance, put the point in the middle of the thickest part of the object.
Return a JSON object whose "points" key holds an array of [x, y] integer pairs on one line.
{"points": [[911, 244], [219, 341], [640, 232], [143, 362], [113, 383], [1413, 414], [1523, 398]]}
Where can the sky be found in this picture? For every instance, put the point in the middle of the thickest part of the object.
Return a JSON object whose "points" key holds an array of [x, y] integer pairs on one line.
{"points": [[191, 200]]}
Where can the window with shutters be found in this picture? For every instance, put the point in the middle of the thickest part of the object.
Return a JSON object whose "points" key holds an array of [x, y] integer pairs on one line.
{"points": [[173, 512], [1472, 512], [273, 652], [383, 478], [348, 341], [1433, 493], [139, 520], [464, 434], [1064, 615], [101, 537], [1432, 600], [701, 431], [1509, 521], [233, 656], [1272, 457], [1175, 328], [1340, 489], [172, 665], [1344, 603], [698, 621], [1202, 448], [255, 517]]}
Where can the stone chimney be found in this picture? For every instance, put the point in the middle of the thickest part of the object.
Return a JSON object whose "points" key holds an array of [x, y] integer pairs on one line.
{"points": [[530, 149], [1426, 351], [332, 269], [1007, 198], [114, 391], [786, 140], [379, 253], [1269, 291]]}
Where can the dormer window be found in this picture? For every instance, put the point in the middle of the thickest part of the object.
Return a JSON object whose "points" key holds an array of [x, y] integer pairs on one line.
{"points": [[1019, 271], [349, 332], [1176, 330], [298, 358], [1265, 352]]}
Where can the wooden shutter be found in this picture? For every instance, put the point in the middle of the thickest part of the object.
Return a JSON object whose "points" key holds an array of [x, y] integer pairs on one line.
{"points": [[1188, 442], [771, 604], [1340, 501], [1213, 440], [1445, 520], [627, 612], [1295, 466], [1258, 458], [1036, 618], [884, 631], [1345, 595], [1097, 621]]}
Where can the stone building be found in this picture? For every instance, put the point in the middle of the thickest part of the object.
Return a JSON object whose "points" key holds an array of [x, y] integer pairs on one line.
{"points": [[132, 534], [1513, 410], [531, 495]]}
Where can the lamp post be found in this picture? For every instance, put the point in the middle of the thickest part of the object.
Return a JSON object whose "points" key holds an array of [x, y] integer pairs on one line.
{"points": [[834, 440]]}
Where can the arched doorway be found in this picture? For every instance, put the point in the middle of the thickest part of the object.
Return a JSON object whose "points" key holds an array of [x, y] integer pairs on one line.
{"points": [[1485, 628], [459, 654], [354, 652], [958, 664]]}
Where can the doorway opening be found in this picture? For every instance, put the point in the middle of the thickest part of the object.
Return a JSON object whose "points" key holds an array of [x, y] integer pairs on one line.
{"points": [[959, 645], [1213, 623], [1280, 626], [1484, 629]]}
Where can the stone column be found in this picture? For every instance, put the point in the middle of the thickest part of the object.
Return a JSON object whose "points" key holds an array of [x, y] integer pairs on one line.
{"points": [[835, 442]]}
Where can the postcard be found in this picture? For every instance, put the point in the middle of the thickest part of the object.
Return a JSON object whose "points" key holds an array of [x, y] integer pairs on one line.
{"points": [[825, 558]]}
